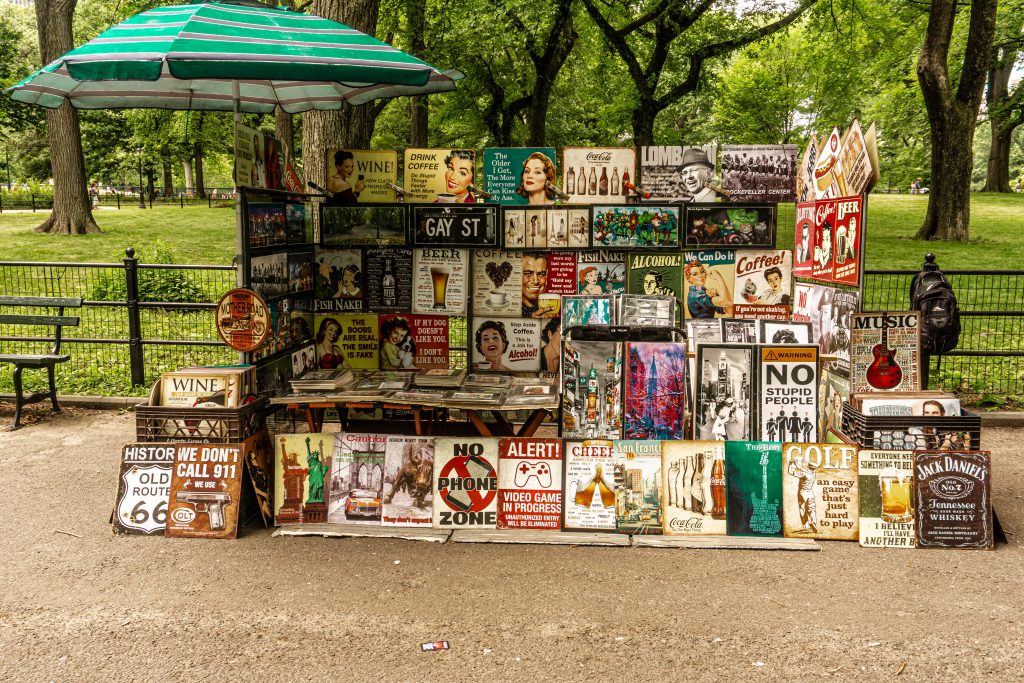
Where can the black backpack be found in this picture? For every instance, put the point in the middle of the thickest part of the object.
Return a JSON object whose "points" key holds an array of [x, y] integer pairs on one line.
{"points": [[933, 296]]}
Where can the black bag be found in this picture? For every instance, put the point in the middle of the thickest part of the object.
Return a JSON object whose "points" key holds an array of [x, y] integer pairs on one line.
{"points": [[933, 296]]}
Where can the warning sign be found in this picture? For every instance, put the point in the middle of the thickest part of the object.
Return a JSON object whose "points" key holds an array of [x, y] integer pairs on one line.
{"points": [[789, 394], [466, 483], [530, 484]]}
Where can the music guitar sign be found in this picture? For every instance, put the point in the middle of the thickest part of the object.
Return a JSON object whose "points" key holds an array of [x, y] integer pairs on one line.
{"points": [[885, 351], [454, 225]]}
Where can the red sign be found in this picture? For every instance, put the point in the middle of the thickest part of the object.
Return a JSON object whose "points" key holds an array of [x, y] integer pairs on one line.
{"points": [[470, 484]]}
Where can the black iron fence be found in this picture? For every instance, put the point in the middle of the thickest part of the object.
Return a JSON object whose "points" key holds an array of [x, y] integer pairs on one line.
{"points": [[213, 196], [137, 320], [989, 361]]}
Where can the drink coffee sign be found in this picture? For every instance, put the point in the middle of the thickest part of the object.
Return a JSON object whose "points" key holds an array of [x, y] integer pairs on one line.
{"points": [[455, 225]]}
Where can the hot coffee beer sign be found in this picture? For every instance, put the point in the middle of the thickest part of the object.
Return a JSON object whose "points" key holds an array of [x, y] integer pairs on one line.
{"points": [[455, 225]]}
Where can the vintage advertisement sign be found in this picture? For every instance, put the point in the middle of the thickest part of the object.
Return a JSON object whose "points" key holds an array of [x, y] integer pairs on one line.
{"points": [[694, 489], [591, 390], [441, 281], [886, 483], [855, 162], [592, 175], [820, 491], [805, 174], [885, 351], [730, 226], [243, 319], [413, 342], [788, 395], [143, 488], [357, 478], [804, 237], [708, 280], [828, 170], [629, 227], [259, 462], [849, 229], [441, 175], [655, 274], [361, 176], [465, 483], [519, 175], [530, 484], [601, 272], [259, 160], [759, 173], [455, 226], [638, 483], [497, 282], [388, 281], [506, 344], [206, 490], [674, 173], [408, 481], [589, 488], [302, 466], [753, 488], [764, 284], [953, 499], [655, 405], [339, 281], [346, 341]]}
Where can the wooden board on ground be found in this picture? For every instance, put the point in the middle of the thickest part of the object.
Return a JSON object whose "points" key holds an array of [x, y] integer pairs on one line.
{"points": [[363, 530], [726, 542], [543, 537]]}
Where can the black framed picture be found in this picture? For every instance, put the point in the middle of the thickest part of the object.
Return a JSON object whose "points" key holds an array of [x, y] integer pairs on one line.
{"points": [[366, 225], [728, 226]]}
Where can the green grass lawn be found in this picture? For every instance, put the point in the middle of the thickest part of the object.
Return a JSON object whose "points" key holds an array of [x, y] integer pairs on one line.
{"points": [[196, 235], [207, 236]]}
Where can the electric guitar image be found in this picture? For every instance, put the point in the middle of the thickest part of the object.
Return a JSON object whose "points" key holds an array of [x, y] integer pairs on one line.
{"points": [[765, 518], [884, 372]]}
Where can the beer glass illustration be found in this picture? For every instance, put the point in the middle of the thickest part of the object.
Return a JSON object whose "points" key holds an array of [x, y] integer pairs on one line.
{"points": [[895, 488], [439, 277]]}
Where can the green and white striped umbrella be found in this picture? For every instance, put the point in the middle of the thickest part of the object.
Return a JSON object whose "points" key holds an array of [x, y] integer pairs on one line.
{"points": [[212, 55]]}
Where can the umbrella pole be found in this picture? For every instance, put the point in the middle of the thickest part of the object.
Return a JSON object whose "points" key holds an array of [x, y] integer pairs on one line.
{"points": [[239, 275]]}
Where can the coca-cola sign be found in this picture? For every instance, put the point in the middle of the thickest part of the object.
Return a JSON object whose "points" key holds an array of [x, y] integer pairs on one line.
{"points": [[599, 157]]}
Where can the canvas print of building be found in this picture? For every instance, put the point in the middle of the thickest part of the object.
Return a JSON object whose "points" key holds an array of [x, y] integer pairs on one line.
{"points": [[723, 405], [591, 390], [655, 390]]}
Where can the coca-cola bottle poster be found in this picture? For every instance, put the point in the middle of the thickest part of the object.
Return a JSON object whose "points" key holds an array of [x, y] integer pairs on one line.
{"points": [[693, 493], [519, 175], [598, 175], [638, 487]]}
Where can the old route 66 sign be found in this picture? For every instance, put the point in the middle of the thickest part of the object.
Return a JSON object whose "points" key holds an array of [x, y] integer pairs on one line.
{"points": [[143, 488]]}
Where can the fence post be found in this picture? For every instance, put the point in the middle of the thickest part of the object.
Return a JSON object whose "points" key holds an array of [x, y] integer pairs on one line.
{"points": [[181, 199], [33, 196], [209, 200], [131, 278]]}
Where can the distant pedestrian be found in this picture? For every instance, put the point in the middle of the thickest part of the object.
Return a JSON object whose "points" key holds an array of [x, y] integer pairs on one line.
{"points": [[1017, 187], [94, 195]]}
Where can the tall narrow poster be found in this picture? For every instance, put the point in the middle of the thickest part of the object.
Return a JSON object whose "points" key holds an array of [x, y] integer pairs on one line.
{"points": [[820, 491], [388, 281], [465, 483], [788, 394], [855, 161], [530, 483], [441, 281], [708, 281], [953, 499], [655, 405], [591, 390], [753, 487], [849, 233], [592, 175], [206, 491], [886, 483], [804, 237], [805, 174], [408, 476], [694, 490], [828, 169], [589, 487], [638, 484], [885, 352], [519, 175], [357, 478]]}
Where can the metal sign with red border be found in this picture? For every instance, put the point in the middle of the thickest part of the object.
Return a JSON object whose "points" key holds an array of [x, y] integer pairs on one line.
{"points": [[243, 319]]}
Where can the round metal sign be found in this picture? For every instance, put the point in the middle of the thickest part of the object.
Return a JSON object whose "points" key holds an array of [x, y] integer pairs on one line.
{"points": [[243, 320]]}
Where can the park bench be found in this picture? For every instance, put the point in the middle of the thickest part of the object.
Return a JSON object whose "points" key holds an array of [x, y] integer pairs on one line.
{"points": [[37, 360]]}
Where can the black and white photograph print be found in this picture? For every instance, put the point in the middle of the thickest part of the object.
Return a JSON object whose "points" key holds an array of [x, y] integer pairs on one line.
{"points": [[739, 331], [723, 397], [269, 274], [788, 332], [759, 173], [647, 311]]}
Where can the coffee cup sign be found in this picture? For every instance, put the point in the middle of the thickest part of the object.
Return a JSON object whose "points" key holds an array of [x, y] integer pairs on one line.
{"points": [[459, 226]]}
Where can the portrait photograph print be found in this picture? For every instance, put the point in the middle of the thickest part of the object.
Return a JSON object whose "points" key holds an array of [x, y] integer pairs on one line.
{"points": [[679, 174]]}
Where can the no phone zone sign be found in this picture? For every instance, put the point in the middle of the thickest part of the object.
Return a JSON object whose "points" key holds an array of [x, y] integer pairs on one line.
{"points": [[466, 481]]}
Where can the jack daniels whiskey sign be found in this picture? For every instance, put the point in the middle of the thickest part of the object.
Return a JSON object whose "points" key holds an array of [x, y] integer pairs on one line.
{"points": [[454, 225]]}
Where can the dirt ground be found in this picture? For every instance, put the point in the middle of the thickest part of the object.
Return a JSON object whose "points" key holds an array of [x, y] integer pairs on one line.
{"points": [[111, 608]]}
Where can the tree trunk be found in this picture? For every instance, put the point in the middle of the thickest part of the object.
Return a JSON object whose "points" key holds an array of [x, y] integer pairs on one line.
{"points": [[187, 165], [166, 159], [644, 115], [952, 115], [197, 161], [72, 209], [350, 127], [284, 129], [416, 29], [997, 174], [150, 180], [547, 66]]}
